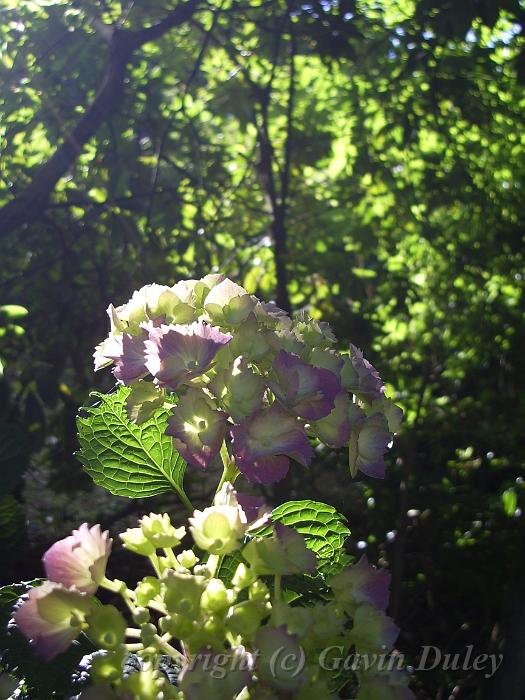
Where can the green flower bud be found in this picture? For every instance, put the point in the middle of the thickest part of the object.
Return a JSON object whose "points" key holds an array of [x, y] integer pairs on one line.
{"points": [[107, 627], [187, 559], [245, 619], [182, 592], [135, 541], [147, 590], [147, 685], [218, 529], [141, 615], [178, 626], [107, 667], [160, 532], [216, 596], [242, 577], [215, 629], [259, 591], [148, 633]]}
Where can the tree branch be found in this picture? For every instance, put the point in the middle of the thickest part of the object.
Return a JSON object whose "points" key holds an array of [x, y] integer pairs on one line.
{"points": [[27, 206]]}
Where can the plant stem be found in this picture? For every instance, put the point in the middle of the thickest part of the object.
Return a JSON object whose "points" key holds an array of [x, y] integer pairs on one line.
{"points": [[168, 649], [230, 471], [277, 592]]}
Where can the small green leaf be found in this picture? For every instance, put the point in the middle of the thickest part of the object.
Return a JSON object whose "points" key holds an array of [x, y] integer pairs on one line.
{"points": [[324, 530], [510, 502], [143, 400], [228, 567], [13, 311], [131, 460]]}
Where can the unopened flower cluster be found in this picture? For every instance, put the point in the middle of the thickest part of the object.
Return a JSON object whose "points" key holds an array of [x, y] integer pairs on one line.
{"points": [[242, 371], [233, 636]]}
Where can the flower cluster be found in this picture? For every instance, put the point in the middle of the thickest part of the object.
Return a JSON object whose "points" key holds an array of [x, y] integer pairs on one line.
{"points": [[228, 628], [243, 372]]}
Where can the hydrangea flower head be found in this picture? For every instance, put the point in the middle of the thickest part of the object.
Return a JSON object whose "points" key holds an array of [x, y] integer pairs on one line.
{"points": [[258, 377]]}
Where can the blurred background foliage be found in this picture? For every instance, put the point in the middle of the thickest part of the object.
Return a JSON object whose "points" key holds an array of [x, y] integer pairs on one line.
{"points": [[361, 159]]}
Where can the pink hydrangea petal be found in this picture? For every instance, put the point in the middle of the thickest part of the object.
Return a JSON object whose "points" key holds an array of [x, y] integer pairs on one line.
{"points": [[49, 639], [80, 559]]}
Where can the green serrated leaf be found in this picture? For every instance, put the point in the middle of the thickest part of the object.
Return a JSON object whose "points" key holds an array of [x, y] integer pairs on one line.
{"points": [[324, 530], [130, 460], [142, 402], [228, 566]]}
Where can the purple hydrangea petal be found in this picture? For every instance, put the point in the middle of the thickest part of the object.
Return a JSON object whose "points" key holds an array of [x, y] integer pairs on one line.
{"points": [[308, 391], [369, 442], [265, 470], [127, 353], [362, 583], [361, 376], [198, 428], [254, 507], [175, 354], [334, 429], [273, 434]]}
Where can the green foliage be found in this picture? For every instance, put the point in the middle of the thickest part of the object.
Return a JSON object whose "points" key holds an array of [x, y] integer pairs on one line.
{"points": [[404, 222], [509, 500], [127, 459], [324, 530]]}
